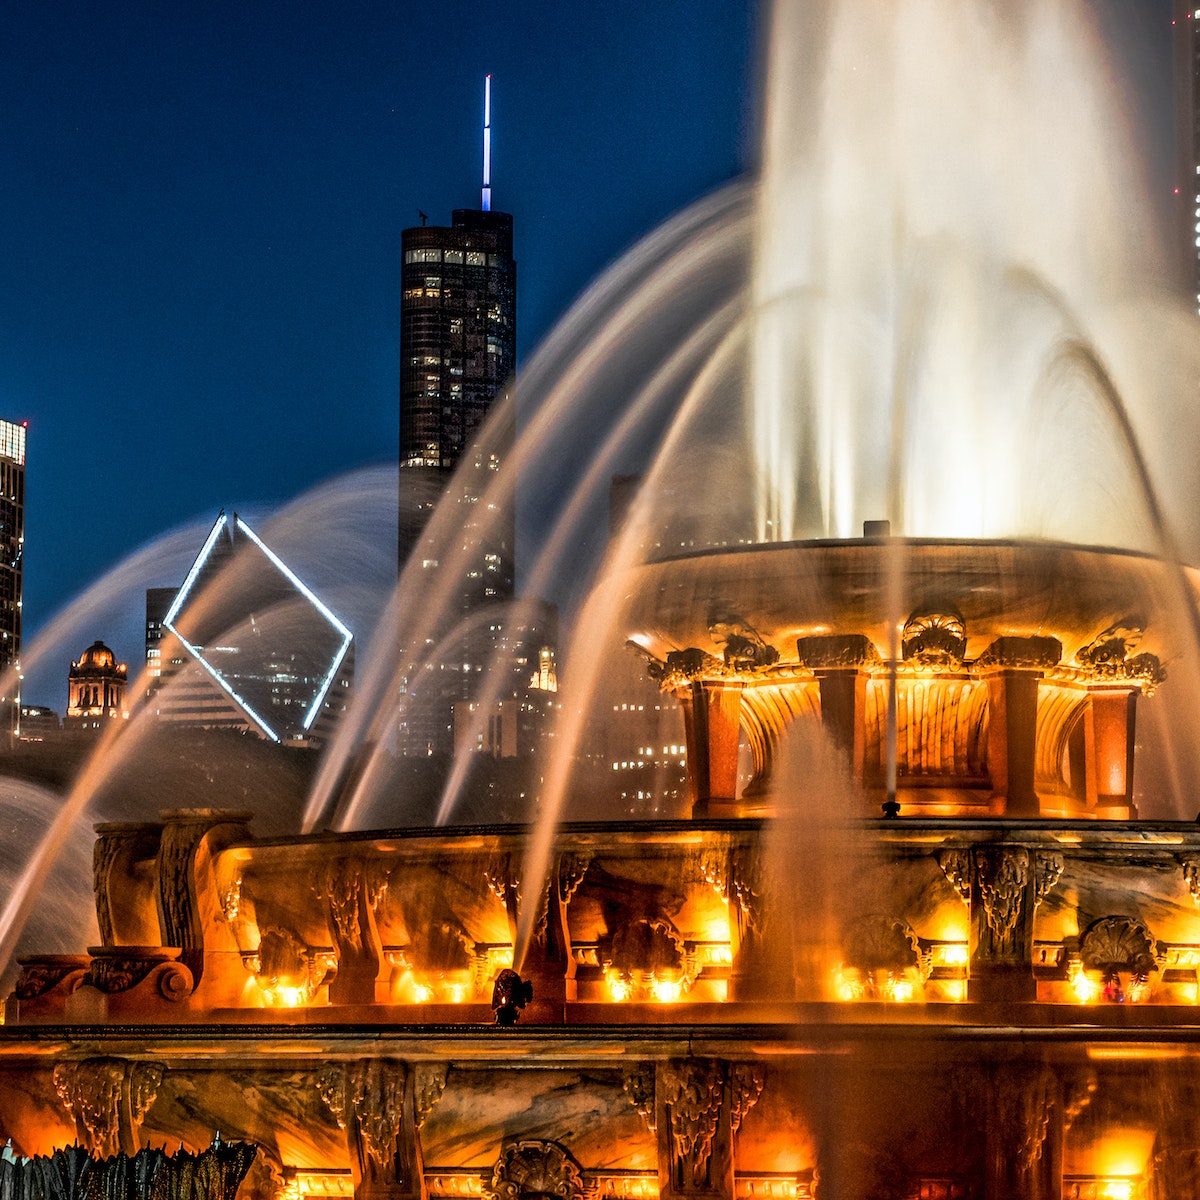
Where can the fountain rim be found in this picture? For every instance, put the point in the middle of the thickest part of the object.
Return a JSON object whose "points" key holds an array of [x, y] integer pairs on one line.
{"points": [[917, 542]]}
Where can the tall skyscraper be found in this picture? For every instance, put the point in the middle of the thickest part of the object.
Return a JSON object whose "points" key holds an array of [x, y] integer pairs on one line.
{"points": [[1186, 35], [12, 553], [458, 328]]}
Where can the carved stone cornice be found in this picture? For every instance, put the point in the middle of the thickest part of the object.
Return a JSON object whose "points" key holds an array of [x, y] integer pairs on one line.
{"points": [[117, 969], [108, 1098], [533, 1168], [371, 1095], [1023, 1098], [1047, 871], [745, 651], [1110, 659], [345, 885], [1190, 865], [45, 972], [572, 867], [1002, 874], [823, 651], [639, 1087], [1021, 653]]}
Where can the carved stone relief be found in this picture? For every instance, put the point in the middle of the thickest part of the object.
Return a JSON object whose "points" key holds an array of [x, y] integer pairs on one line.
{"points": [[691, 1095], [956, 866], [1115, 944], [1002, 875], [531, 1169], [108, 1097], [371, 1095], [429, 1085]]}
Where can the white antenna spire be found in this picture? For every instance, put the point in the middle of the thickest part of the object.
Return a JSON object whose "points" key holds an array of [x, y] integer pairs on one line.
{"points": [[487, 144]]}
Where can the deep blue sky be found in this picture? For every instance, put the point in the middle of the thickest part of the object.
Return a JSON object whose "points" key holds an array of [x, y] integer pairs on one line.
{"points": [[200, 213], [200, 216]]}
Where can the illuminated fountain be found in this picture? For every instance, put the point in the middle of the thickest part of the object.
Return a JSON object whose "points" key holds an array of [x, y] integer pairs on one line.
{"points": [[920, 316]]}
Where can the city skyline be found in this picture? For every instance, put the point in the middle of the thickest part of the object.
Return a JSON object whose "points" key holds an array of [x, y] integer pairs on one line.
{"points": [[203, 213], [203, 218]]}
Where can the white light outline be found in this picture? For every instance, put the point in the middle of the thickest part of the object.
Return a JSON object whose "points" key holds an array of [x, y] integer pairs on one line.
{"points": [[290, 575], [182, 594], [347, 636], [173, 612]]}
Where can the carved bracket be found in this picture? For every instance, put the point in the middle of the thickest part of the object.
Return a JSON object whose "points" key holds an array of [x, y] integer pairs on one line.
{"points": [[108, 1098]]}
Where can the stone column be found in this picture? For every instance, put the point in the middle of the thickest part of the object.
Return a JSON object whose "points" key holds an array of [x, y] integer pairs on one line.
{"points": [[840, 663], [843, 711], [695, 1106], [712, 713], [191, 913], [1108, 730], [1003, 885], [381, 1104], [1013, 667]]}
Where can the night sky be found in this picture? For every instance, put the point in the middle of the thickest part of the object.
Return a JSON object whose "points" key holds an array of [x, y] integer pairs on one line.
{"points": [[200, 216]]}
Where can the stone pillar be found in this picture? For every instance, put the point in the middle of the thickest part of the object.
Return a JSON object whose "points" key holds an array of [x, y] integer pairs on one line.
{"points": [[695, 1106], [381, 1104], [1003, 885], [841, 664], [712, 713], [1013, 666], [1030, 1106], [352, 890], [1108, 730], [843, 713], [125, 914], [761, 941], [1012, 725], [1001, 937]]}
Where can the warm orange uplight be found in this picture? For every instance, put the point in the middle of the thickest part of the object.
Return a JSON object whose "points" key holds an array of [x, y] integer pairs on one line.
{"points": [[666, 990], [618, 988], [1117, 1189], [956, 954], [284, 997], [1085, 989]]}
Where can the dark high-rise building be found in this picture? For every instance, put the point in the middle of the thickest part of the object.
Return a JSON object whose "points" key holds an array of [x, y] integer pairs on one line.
{"points": [[1186, 35], [458, 324], [12, 554]]}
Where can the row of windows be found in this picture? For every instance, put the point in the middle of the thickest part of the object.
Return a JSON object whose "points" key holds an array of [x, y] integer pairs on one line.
{"points": [[470, 258]]}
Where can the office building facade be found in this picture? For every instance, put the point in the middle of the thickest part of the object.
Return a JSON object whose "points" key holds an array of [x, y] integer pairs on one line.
{"points": [[458, 350], [12, 568]]}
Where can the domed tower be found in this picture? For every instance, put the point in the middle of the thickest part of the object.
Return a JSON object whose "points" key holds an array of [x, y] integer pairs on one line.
{"points": [[97, 689]]}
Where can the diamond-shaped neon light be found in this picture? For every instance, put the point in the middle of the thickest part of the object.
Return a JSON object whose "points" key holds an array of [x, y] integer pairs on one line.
{"points": [[257, 631]]}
